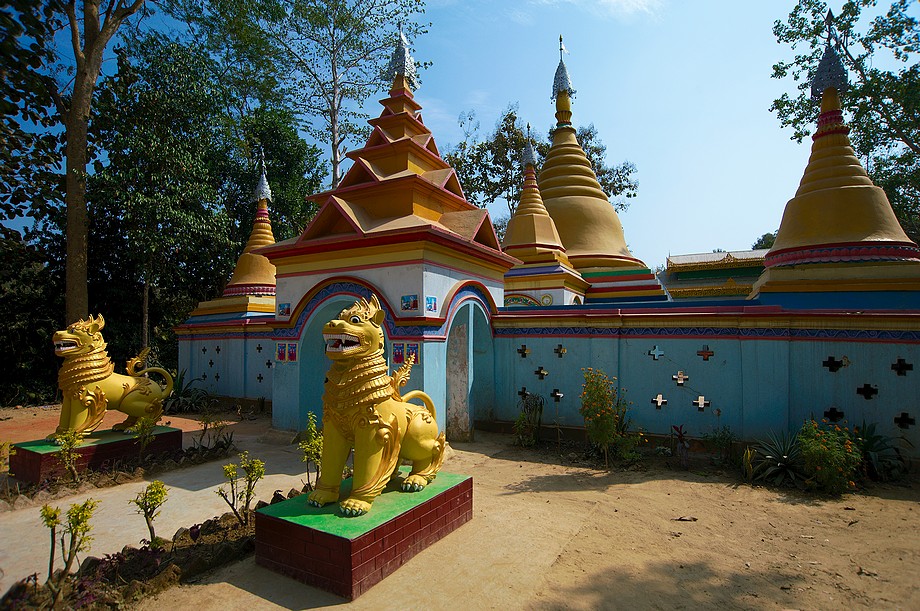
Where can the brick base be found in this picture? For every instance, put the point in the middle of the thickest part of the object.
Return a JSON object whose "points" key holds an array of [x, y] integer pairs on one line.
{"points": [[349, 564], [37, 461]]}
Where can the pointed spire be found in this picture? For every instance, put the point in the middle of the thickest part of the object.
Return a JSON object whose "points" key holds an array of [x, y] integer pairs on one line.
{"points": [[830, 72], [263, 191], [401, 63], [529, 157], [562, 82]]}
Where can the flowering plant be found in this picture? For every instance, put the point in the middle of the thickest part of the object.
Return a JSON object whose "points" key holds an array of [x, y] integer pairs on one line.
{"points": [[605, 415], [830, 456]]}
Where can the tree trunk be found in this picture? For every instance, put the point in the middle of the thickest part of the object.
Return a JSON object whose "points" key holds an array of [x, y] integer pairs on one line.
{"points": [[145, 316], [76, 292]]}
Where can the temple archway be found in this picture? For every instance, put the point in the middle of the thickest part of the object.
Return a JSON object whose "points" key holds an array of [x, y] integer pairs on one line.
{"points": [[470, 371]]}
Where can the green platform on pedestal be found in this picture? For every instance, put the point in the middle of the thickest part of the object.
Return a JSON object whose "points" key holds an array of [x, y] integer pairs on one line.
{"points": [[36, 461], [347, 555]]}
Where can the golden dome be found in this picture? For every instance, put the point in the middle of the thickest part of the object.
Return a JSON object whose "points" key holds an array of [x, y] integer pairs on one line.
{"points": [[254, 274]]}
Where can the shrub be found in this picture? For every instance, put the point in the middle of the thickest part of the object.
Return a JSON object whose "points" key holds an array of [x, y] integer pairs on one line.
{"points": [[881, 460], [78, 517], [242, 489], [721, 439], [311, 445], [830, 457], [527, 425], [778, 460], [185, 397], [69, 441], [683, 445], [143, 434], [148, 503], [606, 419]]}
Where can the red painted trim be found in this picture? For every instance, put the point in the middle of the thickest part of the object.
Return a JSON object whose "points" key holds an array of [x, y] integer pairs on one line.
{"points": [[350, 268]]}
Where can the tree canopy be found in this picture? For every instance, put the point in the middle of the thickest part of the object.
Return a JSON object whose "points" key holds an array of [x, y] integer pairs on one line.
{"points": [[880, 49]]}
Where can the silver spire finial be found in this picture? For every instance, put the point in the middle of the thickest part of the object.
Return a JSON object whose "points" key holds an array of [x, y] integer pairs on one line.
{"points": [[528, 157], [562, 81], [830, 72], [401, 63], [263, 191]]}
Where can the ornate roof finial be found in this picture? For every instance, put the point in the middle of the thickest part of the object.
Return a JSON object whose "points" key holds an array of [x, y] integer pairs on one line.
{"points": [[562, 81], [830, 72], [528, 158], [401, 63], [263, 191]]}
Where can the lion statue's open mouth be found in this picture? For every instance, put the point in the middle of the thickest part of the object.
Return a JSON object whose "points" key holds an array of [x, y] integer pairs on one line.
{"points": [[363, 409]]}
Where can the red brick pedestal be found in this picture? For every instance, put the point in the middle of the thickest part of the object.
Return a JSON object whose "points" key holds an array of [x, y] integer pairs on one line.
{"points": [[346, 556], [37, 461]]}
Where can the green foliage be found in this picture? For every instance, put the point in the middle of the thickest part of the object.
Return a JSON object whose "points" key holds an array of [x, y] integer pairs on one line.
{"points": [[527, 425], [778, 460], [242, 488], [831, 459], [185, 397], [148, 503], [311, 444], [721, 439], [490, 170], [213, 432], [606, 419], [881, 459], [77, 529], [764, 241], [882, 106], [683, 445], [69, 441], [142, 433]]}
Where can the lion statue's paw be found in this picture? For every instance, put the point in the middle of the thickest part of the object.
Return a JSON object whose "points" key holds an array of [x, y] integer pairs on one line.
{"points": [[354, 507], [414, 483], [318, 498]]}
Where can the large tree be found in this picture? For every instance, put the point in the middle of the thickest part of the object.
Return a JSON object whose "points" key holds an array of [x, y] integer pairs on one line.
{"points": [[880, 51], [91, 26]]}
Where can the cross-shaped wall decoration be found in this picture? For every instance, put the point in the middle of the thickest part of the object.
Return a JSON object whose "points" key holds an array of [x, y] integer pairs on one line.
{"points": [[656, 353], [217, 349], [833, 414], [204, 349], [867, 391], [556, 395], [701, 403], [217, 377], [659, 401], [523, 392], [211, 363], [560, 351], [832, 364], [541, 373], [523, 351], [259, 349], [705, 352], [268, 363], [904, 421], [260, 378], [204, 376], [901, 367], [680, 377]]}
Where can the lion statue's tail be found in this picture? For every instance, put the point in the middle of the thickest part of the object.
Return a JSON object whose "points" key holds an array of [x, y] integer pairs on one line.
{"points": [[417, 394], [133, 364]]}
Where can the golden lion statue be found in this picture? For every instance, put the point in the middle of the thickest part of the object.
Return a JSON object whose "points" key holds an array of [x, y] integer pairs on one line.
{"points": [[90, 387], [363, 409]]}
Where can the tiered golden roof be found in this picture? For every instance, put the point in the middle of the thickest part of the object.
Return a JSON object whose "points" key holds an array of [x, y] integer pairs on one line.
{"points": [[254, 274]]}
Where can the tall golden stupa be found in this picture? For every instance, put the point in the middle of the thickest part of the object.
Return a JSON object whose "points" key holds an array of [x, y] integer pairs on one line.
{"points": [[254, 274], [839, 233]]}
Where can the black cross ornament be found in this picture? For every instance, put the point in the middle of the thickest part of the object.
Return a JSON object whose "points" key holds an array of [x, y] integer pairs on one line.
{"points": [[259, 348], [204, 349], [832, 364], [217, 377], [556, 395], [268, 363], [541, 373], [656, 353], [833, 414], [705, 352], [260, 378], [867, 391], [204, 376], [901, 367], [659, 401], [560, 351], [523, 351], [701, 403], [904, 421], [523, 392], [217, 350], [211, 363]]}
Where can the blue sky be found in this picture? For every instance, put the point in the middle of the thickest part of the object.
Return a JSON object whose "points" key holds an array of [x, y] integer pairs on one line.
{"points": [[680, 88]]}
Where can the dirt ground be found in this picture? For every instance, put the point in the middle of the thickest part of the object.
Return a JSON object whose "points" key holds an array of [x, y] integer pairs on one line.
{"points": [[550, 533]]}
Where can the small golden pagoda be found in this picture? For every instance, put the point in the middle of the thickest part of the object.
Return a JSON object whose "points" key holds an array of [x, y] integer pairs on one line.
{"points": [[838, 233], [588, 225], [254, 274], [545, 276]]}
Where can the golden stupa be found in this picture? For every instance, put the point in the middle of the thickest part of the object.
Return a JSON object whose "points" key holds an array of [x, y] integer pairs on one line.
{"points": [[254, 274], [588, 225], [839, 232]]}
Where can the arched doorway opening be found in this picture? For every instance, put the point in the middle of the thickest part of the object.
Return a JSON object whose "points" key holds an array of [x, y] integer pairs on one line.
{"points": [[470, 371]]}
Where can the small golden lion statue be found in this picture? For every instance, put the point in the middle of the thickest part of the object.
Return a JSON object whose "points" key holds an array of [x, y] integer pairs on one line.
{"points": [[363, 409], [90, 387]]}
